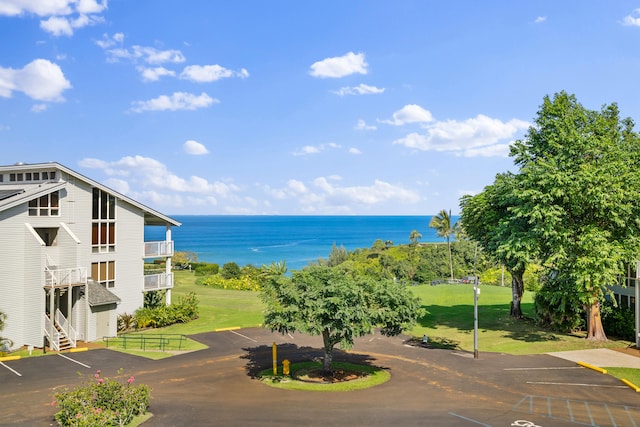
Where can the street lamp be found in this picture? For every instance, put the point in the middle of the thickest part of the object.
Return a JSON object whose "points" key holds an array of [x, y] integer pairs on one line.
{"points": [[476, 291]]}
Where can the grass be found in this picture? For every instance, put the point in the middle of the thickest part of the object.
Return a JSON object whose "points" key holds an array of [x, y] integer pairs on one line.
{"points": [[448, 321], [630, 374], [450, 316], [374, 377]]}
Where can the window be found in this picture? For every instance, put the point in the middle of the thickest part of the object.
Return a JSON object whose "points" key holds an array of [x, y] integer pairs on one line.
{"points": [[48, 235], [104, 273], [47, 205], [103, 226]]}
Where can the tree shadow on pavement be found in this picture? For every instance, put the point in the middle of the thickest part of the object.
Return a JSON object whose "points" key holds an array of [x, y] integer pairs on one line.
{"points": [[261, 357]]}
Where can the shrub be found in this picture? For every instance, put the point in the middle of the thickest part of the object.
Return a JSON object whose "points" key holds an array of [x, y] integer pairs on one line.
{"points": [[230, 270], [244, 283], [618, 321], [205, 269], [101, 402], [185, 310], [125, 322]]}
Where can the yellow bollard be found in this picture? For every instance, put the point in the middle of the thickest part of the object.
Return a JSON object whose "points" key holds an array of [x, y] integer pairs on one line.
{"points": [[275, 359], [285, 367]]}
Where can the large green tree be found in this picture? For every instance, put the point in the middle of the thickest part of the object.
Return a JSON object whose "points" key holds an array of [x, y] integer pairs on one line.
{"points": [[488, 218], [444, 227], [578, 188], [340, 306]]}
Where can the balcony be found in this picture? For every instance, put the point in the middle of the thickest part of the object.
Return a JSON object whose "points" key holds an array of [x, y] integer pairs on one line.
{"points": [[156, 282], [65, 276], [161, 249]]}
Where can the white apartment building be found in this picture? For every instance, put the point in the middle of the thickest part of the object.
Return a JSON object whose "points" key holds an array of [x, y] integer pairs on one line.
{"points": [[72, 256]]}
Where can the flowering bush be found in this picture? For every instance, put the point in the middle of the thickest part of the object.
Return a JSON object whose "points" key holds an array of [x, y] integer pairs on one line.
{"points": [[101, 402], [244, 283]]}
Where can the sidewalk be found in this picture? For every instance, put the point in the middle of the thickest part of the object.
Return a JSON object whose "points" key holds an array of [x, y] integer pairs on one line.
{"points": [[601, 357]]}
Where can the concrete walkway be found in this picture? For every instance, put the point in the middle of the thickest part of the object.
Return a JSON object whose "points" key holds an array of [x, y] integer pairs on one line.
{"points": [[600, 357]]}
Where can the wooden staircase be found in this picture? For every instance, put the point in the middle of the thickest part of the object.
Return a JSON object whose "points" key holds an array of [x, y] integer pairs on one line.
{"points": [[64, 342]]}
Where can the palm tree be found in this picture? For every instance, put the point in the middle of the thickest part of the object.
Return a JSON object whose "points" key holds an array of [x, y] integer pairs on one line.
{"points": [[444, 228]]}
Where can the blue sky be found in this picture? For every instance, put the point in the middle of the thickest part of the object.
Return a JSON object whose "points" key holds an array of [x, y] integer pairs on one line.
{"points": [[300, 107]]}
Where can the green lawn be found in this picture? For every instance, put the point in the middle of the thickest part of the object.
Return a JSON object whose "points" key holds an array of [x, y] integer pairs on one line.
{"points": [[448, 321]]}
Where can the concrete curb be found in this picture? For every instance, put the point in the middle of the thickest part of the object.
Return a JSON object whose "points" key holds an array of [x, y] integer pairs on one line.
{"points": [[595, 368], [9, 358]]}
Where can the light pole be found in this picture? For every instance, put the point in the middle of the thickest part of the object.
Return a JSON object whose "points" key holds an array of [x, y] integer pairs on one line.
{"points": [[476, 291]]}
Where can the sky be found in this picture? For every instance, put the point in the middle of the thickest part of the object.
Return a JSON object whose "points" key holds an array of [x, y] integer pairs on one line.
{"points": [[285, 107]]}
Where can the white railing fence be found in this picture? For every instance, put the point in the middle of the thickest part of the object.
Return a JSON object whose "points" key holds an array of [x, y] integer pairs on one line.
{"points": [[65, 276], [162, 248], [154, 282], [51, 333], [66, 328]]}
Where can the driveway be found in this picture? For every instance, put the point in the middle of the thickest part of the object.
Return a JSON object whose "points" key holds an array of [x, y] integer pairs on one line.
{"points": [[427, 387]]}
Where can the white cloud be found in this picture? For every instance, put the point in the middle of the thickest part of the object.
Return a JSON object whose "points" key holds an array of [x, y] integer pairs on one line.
{"points": [[310, 149], [62, 16], [361, 89], [63, 26], [210, 73], [362, 125], [410, 113], [540, 19], [138, 175], [41, 80], [324, 194], [108, 42], [148, 54], [177, 101], [478, 136], [154, 74], [354, 150], [39, 108], [633, 19], [340, 66], [195, 148]]}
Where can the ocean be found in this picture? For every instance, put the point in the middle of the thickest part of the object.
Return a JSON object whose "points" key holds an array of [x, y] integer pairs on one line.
{"points": [[259, 240]]}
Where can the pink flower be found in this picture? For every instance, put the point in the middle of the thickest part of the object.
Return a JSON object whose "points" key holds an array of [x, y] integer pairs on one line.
{"points": [[53, 403], [100, 380], [78, 415], [131, 379]]}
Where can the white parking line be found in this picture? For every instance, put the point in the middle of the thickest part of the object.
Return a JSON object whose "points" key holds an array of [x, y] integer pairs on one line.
{"points": [[576, 384], [243, 336], [542, 369], [12, 370], [469, 419], [74, 361]]}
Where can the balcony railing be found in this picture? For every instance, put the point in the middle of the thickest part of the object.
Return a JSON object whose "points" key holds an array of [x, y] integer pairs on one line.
{"points": [[158, 249], [66, 328], [65, 276], [155, 282]]}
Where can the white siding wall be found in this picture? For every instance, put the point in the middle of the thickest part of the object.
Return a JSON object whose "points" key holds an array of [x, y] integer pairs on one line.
{"points": [[34, 294], [12, 283], [22, 261], [130, 262]]}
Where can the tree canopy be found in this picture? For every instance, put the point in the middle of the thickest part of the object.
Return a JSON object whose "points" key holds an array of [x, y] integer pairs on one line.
{"points": [[444, 227], [488, 219], [340, 306], [577, 192]]}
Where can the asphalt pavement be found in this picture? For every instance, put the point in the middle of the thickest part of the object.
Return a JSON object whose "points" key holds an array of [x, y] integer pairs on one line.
{"points": [[435, 387]]}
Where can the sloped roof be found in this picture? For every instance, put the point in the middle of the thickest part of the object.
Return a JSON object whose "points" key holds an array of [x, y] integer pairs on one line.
{"points": [[151, 216], [16, 194], [99, 295]]}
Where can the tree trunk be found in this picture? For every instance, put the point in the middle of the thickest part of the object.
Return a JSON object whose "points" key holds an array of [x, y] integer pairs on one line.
{"points": [[595, 330], [327, 372], [450, 258], [517, 290]]}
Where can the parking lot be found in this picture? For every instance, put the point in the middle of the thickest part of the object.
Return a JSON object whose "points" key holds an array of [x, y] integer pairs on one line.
{"points": [[216, 386]]}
